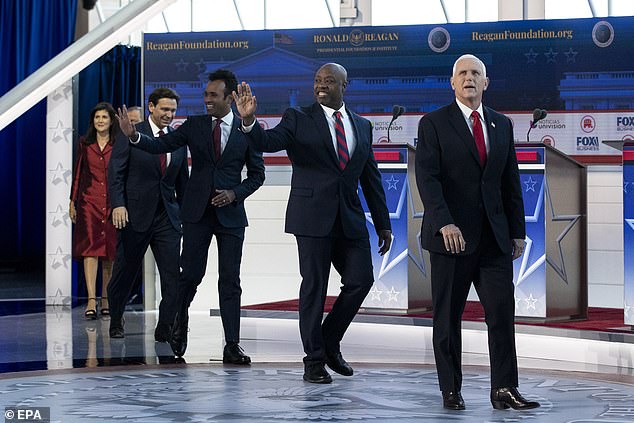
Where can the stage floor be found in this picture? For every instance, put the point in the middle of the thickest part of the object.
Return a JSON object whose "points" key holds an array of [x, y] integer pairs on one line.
{"points": [[57, 359]]}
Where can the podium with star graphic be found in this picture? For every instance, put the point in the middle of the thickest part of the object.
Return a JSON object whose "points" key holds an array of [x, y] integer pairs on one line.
{"points": [[551, 276], [627, 147], [400, 284]]}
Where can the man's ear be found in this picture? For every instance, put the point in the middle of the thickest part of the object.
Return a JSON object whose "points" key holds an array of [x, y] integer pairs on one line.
{"points": [[486, 84]]}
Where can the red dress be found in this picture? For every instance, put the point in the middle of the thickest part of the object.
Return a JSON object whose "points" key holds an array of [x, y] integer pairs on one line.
{"points": [[95, 235]]}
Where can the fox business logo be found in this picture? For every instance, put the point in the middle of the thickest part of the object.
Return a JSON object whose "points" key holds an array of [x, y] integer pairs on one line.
{"points": [[625, 123], [588, 124], [587, 143]]}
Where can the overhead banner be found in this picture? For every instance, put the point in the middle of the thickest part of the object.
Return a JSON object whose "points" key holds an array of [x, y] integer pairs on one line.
{"points": [[579, 70]]}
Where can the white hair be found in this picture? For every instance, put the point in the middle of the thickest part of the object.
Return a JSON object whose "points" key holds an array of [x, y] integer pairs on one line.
{"points": [[470, 56]]}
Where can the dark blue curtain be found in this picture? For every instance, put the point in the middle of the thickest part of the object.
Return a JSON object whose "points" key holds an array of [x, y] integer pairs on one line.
{"points": [[33, 31], [115, 77]]}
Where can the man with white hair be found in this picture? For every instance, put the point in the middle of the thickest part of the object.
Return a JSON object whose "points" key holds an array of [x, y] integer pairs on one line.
{"points": [[473, 227]]}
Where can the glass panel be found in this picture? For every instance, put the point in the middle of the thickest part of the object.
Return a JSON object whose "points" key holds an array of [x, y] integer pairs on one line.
{"points": [[217, 15], [406, 12], [622, 8], [298, 14], [557, 9], [482, 10]]}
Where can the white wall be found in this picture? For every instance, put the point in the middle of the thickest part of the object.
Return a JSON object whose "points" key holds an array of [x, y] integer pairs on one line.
{"points": [[270, 269]]}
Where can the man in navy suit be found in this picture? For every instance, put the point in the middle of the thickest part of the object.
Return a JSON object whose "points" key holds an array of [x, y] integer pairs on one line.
{"points": [[213, 204], [473, 227], [330, 149], [146, 192]]}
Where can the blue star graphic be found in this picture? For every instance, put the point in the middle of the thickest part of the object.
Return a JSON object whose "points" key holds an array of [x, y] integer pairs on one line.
{"points": [[391, 183], [550, 55], [571, 55], [530, 184], [181, 65], [526, 267], [202, 66], [625, 184], [388, 263], [530, 56]]}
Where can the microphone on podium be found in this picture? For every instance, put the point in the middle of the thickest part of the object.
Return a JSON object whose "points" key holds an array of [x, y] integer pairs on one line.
{"points": [[538, 114], [396, 112]]}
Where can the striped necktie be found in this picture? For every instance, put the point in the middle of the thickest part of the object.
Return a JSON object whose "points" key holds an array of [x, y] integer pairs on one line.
{"points": [[342, 145]]}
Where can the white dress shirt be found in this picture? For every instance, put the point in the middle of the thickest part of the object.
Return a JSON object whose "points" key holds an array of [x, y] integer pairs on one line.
{"points": [[466, 113], [156, 132]]}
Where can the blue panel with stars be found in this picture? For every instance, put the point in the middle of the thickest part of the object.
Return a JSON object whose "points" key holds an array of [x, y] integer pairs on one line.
{"points": [[628, 235], [530, 269], [390, 289]]}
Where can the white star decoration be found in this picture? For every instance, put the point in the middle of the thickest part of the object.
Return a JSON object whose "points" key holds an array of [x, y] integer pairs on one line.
{"points": [[417, 254], [393, 295], [60, 174], [59, 259], [61, 133], [391, 183], [530, 302], [376, 293], [59, 299], [59, 217]]}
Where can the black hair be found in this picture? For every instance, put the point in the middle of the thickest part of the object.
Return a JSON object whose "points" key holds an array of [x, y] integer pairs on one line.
{"points": [[231, 82]]}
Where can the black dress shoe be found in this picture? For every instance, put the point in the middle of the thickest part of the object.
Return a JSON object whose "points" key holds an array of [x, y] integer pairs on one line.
{"points": [[162, 332], [338, 364], [234, 354], [116, 332], [452, 401], [503, 398], [178, 337], [316, 373]]}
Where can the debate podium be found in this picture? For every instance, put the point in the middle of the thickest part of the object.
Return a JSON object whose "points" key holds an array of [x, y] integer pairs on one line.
{"points": [[401, 276], [551, 277], [627, 149]]}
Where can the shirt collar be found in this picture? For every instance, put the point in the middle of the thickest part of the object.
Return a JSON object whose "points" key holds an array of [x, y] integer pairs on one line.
{"points": [[466, 110], [155, 128], [330, 111], [227, 119]]}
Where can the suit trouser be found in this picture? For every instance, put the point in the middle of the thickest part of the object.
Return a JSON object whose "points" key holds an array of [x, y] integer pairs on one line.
{"points": [[196, 240], [492, 274], [353, 261], [165, 242]]}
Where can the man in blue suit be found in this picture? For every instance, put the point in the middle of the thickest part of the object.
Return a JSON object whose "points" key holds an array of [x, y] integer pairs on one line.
{"points": [[213, 204], [330, 149], [468, 179], [146, 192]]}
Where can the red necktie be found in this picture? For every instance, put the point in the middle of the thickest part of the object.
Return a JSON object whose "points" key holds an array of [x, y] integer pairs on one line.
{"points": [[342, 145], [479, 137], [162, 156], [216, 138]]}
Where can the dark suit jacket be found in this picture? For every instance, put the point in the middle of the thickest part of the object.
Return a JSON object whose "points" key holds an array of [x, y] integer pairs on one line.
{"points": [[207, 174], [456, 189], [135, 181], [319, 188]]}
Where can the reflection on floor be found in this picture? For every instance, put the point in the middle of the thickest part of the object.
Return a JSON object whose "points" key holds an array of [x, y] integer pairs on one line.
{"points": [[82, 375]]}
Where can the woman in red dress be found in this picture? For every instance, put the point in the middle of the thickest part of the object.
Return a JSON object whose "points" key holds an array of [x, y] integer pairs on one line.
{"points": [[95, 236]]}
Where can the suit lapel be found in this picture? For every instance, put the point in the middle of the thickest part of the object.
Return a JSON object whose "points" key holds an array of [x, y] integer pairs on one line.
{"points": [[362, 144], [490, 126], [319, 117], [457, 120], [232, 136]]}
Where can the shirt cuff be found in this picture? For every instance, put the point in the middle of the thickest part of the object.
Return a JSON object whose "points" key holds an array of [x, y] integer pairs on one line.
{"points": [[138, 138], [247, 129]]}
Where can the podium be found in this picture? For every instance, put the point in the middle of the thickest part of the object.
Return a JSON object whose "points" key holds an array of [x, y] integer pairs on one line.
{"points": [[401, 282], [551, 278], [627, 147]]}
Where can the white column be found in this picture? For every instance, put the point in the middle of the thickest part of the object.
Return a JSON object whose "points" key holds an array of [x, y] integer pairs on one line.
{"points": [[355, 13], [59, 166]]}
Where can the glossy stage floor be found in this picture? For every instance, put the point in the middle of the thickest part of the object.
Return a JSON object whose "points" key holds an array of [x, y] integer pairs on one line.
{"points": [[59, 360]]}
